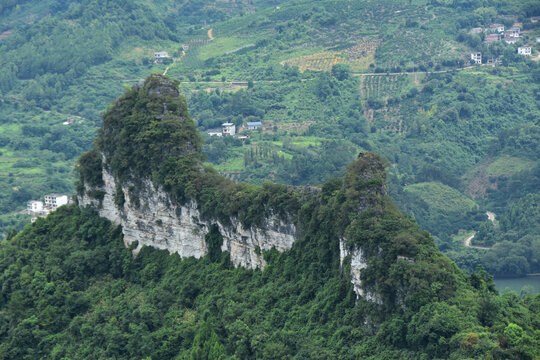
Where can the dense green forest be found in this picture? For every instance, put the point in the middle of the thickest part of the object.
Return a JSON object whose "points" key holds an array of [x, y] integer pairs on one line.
{"points": [[71, 289], [327, 79]]}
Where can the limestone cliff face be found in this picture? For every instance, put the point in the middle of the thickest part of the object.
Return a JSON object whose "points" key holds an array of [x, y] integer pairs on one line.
{"points": [[159, 223], [358, 262]]}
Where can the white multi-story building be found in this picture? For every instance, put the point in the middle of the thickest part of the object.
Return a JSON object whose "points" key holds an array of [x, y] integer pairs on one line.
{"points": [[525, 50], [476, 58], [228, 129], [53, 201], [34, 207]]}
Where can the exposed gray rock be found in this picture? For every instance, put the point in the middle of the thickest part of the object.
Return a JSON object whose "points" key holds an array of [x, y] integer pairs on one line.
{"points": [[358, 262], [159, 223]]}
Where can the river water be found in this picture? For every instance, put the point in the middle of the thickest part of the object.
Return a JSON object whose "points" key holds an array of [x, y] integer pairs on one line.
{"points": [[516, 284]]}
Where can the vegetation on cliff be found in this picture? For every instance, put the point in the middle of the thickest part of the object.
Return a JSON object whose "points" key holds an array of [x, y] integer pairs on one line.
{"points": [[71, 290], [424, 305], [398, 88]]}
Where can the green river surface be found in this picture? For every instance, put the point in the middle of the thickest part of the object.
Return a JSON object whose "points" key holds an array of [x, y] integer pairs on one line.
{"points": [[516, 284]]}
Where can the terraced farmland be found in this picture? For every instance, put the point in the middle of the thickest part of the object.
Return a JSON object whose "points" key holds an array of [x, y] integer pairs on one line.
{"points": [[358, 57]]}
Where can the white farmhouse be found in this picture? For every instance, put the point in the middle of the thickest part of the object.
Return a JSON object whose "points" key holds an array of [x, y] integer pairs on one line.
{"points": [[228, 129], [34, 207], [52, 201], [525, 50], [476, 58], [160, 55], [253, 125]]}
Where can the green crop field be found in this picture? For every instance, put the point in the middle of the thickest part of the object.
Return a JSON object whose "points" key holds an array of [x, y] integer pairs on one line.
{"points": [[508, 165], [441, 197]]}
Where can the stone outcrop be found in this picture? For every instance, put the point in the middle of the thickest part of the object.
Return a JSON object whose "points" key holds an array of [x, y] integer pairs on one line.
{"points": [[159, 223], [148, 134], [358, 262]]}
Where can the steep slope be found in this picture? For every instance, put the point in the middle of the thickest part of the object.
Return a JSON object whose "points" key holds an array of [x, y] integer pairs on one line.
{"points": [[146, 174], [71, 290]]}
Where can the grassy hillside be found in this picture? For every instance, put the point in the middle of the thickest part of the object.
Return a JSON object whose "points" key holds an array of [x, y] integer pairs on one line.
{"points": [[440, 197]]}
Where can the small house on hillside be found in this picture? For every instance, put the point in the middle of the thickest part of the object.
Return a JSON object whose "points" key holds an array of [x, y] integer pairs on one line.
{"points": [[228, 129], [476, 30], [525, 50], [254, 125], [69, 120], [496, 28], [494, 61], [476, 58], [514, 32], [538, 39], [160, 56], [215, 132], [510, 39], [34, 207], [38, 209], [491, 38]]}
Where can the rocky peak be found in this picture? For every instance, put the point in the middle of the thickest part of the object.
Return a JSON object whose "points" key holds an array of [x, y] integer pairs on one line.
{"points": [[145, 173]]}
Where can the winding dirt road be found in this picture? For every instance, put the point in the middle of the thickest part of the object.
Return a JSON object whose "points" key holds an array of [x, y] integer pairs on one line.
{"points": [[467, 243]]}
